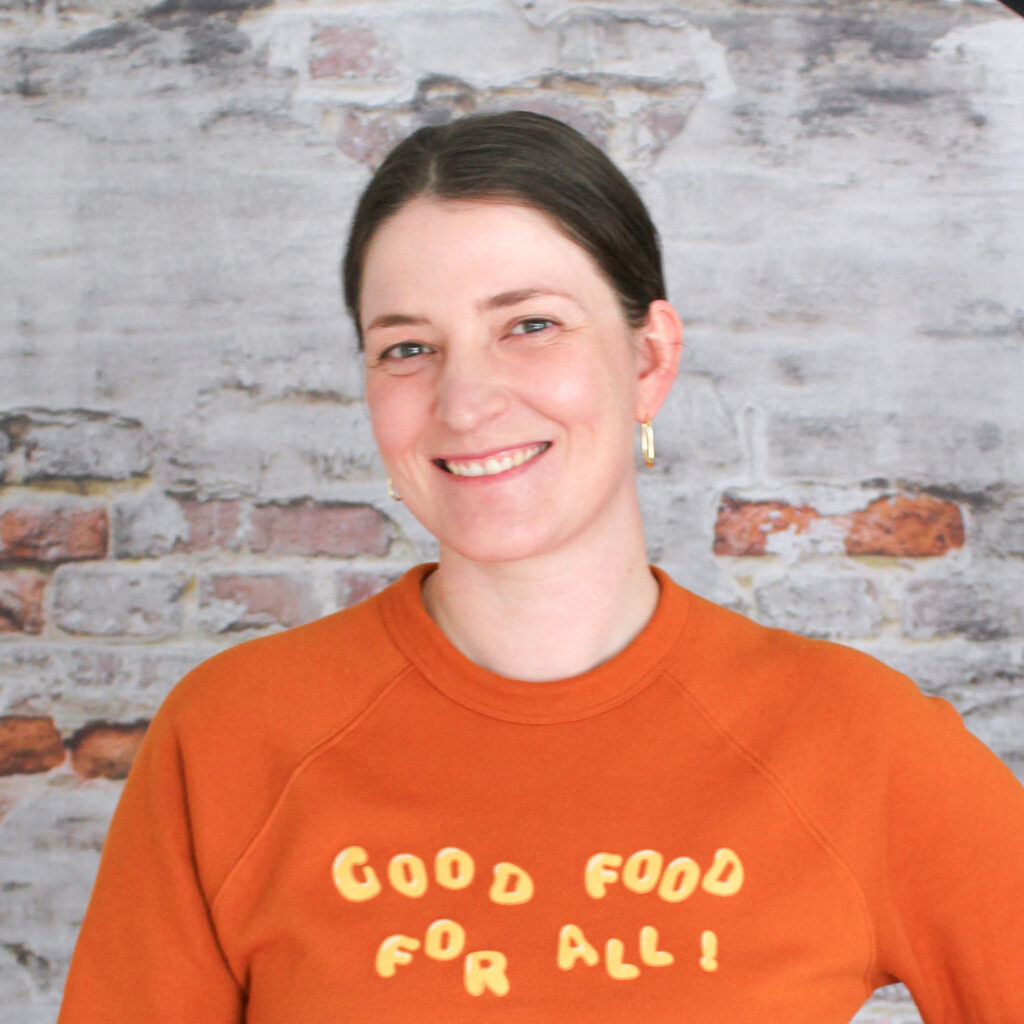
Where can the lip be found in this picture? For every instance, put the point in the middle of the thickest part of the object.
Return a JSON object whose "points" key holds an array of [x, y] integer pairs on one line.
{"points": [[496, 454]]}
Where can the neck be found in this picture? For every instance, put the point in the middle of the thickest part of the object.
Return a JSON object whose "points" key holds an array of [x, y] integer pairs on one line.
{"points": [[550, 616]]}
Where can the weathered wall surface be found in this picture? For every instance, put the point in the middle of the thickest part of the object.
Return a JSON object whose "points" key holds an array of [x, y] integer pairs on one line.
{"points": [[184, 455]]}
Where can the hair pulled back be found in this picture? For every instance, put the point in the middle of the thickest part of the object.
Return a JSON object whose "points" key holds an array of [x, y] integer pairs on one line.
{"points": [[526, 158]]}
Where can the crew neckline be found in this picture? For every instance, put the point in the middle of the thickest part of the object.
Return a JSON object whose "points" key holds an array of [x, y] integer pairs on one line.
{"points": [[590, 693]]}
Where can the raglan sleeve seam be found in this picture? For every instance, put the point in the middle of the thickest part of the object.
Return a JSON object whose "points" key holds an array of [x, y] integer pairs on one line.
{"points": [[806, 818], [317, 748]]}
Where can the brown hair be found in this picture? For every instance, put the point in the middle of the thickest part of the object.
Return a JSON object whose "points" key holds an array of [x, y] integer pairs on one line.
{"points": [[525, 158]]}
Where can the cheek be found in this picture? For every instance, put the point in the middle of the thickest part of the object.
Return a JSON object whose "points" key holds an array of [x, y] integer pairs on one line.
{"points": [[396, 415], [595, 385]]}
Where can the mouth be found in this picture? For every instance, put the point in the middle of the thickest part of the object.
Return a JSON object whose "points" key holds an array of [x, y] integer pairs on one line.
{"points": [[492, 465]]}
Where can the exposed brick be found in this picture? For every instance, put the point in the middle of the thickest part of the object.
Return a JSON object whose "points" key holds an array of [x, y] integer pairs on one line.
{"points": [[664, 121], [319, 528], [742, 527], [918, 526], [114, 600], [367, 136], [353, 587], [156, 525], [21, 602], [348, 51], [915, 526], [29, 745], [821, 606], [104, 750], [82, 445], [235, 601], [35, 531], [210, 524]]}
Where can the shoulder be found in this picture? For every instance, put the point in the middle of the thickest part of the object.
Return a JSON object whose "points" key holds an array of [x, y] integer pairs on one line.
{"points": [[301, 680], [234, 730], [763, 683]]}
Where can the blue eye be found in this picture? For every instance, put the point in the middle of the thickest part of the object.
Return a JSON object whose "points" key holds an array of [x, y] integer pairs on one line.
{"points": [[532, 325], [404, 350]]}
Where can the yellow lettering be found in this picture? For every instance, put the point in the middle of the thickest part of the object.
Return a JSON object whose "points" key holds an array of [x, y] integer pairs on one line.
{"points": [[708, 951], [615, 965], [725, 876], [444, 940], [649, 952], [344, 875], [642, 871], [407, 874], [680, 880], [600, 873], [485, 970], [394, 950], [573, 946], [511, 885], [453, 868]]}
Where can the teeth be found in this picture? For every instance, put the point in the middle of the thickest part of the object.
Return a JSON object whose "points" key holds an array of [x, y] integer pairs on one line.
{"points": [[492, 466]]}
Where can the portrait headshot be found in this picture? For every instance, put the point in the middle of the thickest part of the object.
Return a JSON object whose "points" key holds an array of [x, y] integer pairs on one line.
{"points": [[512, 511]]}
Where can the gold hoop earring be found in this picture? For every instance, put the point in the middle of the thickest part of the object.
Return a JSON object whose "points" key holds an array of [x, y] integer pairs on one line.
{"points": [[647, 442], [392, 493]]}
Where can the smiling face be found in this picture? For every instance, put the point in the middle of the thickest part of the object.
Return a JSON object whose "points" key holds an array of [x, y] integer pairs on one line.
{"points": [[503, 381]]}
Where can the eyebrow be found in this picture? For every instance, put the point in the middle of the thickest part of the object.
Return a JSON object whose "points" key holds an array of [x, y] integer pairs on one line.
{"points": [[499, 301]]}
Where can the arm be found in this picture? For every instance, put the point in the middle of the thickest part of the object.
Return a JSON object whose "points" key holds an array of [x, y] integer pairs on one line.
{"points": [[147, 950], [953, 928]]}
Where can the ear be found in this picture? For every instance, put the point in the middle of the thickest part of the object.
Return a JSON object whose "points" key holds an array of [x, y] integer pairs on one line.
{"points": [[660, 344]]}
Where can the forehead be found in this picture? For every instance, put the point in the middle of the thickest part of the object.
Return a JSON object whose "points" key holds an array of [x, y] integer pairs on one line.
{"points": [[435, 248]]}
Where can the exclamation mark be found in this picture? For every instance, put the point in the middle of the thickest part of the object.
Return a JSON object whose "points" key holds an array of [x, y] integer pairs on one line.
{"points": [[709, 951]]}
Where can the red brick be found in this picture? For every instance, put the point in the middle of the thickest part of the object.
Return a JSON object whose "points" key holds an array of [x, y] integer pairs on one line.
{"points": [[21, 602], [664, 120], [211, 524], [367, 137], [348, 51], [743, 526], [918, 526], [29, 745], [353, 587], [255, 600], [36, 532], [319, 528], [105, 750]]}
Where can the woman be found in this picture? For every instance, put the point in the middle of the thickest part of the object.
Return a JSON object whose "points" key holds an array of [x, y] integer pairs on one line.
{"points": [[540, 781]]}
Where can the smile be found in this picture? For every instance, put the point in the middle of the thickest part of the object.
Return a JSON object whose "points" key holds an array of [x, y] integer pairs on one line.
{"points": [[493, 464]]}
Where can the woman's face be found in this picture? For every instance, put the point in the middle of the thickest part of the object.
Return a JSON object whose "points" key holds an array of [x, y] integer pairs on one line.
{"points": [[501, 379]]}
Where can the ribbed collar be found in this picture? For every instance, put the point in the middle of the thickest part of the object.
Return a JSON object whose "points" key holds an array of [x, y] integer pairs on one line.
{"points": [[516, 700]]}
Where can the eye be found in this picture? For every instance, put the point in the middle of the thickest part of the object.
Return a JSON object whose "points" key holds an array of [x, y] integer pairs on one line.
{"points": [[404, 350], [532, 325]]}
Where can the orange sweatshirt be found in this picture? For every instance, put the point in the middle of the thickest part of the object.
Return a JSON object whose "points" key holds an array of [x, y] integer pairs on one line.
{"points": [[727, 824]]}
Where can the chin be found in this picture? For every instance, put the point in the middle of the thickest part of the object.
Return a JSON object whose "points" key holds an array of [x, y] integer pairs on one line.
{"points": [[488, 546]]}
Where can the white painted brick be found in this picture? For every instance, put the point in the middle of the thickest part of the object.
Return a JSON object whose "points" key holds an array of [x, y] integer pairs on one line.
{"points": [[82, 444], [1001, 528], [94, 682], [985, 606], [834, 607], [108, 600], [146, 526], [840, 198]]}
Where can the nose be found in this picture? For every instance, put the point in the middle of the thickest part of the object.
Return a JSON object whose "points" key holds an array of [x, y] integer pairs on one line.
{"points": [[470, 389]]}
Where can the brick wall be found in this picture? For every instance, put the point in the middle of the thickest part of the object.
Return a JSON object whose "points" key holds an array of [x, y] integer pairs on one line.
{"points": [[184, 456]]}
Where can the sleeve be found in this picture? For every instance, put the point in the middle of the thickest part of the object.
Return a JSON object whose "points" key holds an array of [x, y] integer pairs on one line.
{"points": [[953, 919], [147, 949]]}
